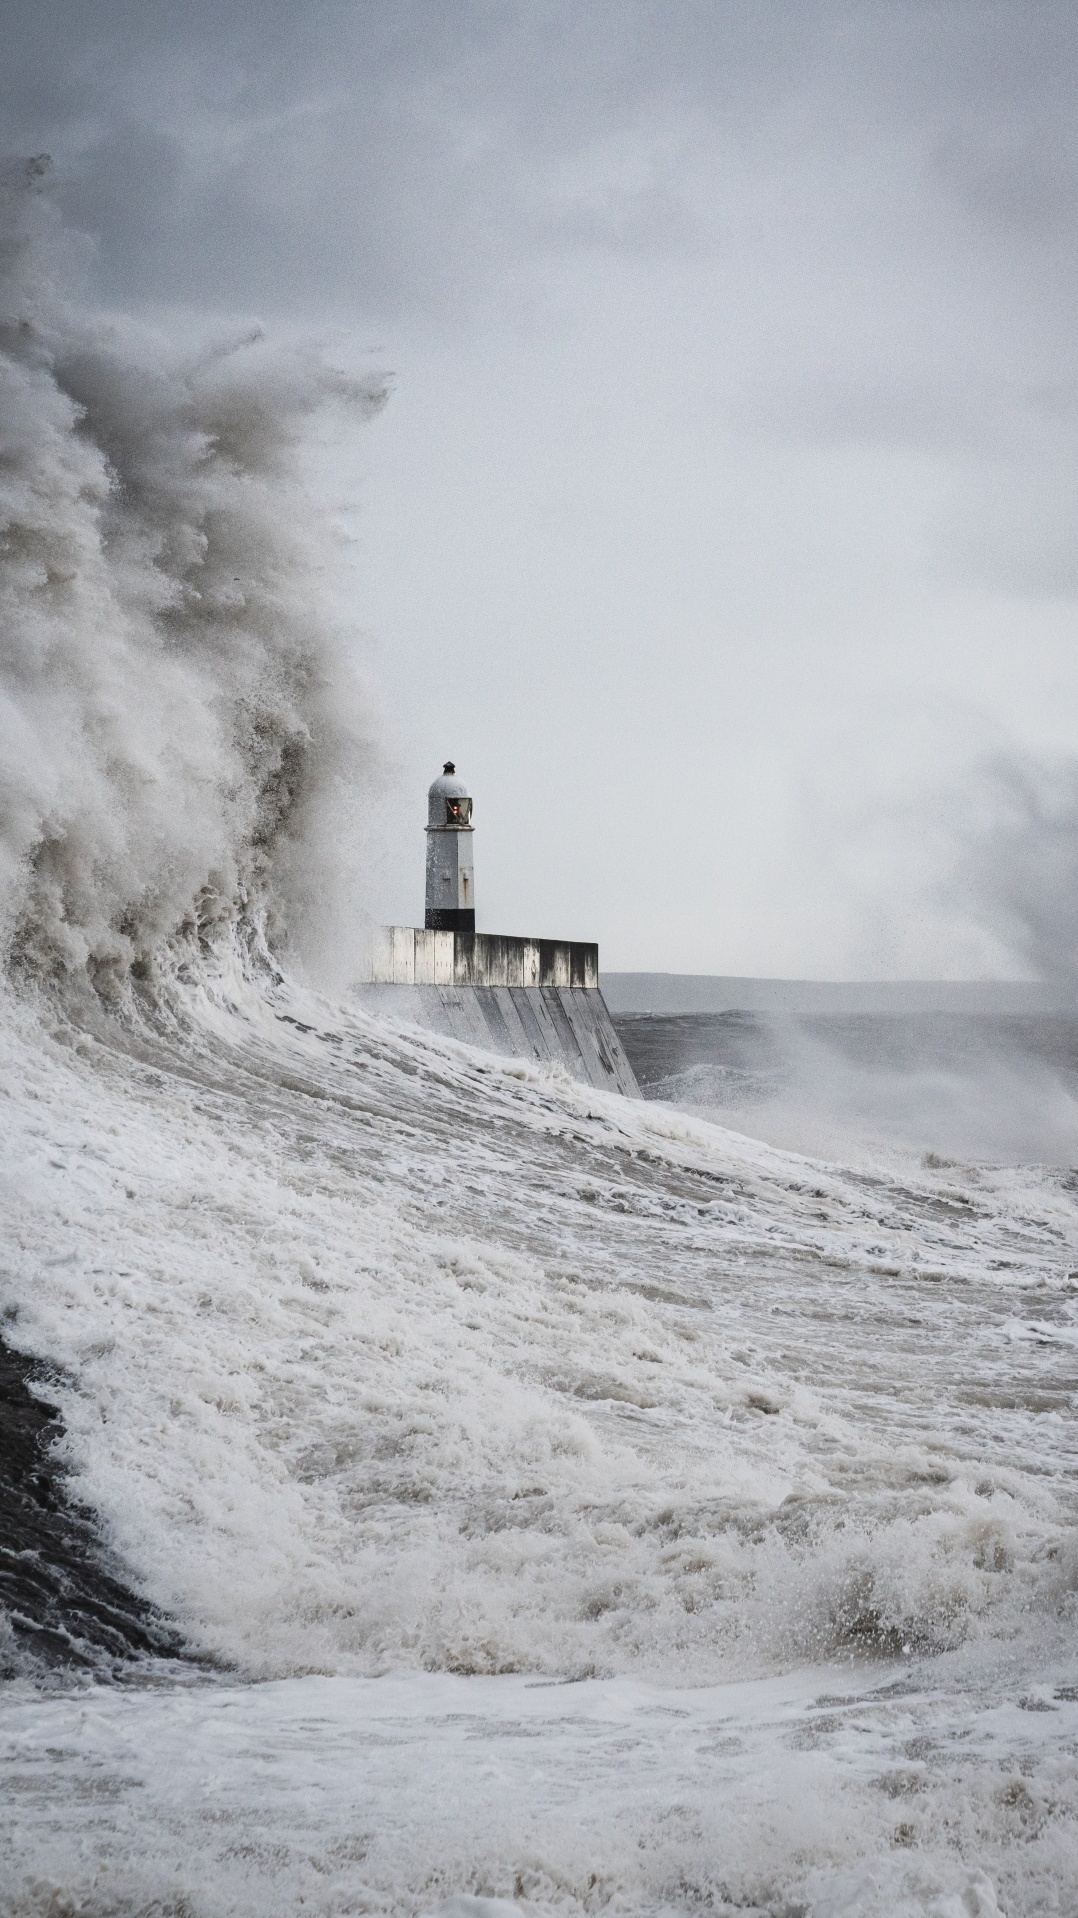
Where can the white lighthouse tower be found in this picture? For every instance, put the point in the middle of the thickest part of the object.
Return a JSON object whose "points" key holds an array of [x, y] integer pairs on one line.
{"points": [[529, 998], [450, 878]]}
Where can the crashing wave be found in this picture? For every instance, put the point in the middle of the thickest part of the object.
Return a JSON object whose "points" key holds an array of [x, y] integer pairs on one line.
{"points": [[182, 740]]}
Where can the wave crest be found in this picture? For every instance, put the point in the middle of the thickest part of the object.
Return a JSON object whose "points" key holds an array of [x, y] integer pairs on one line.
{"points": [[175, 705]]}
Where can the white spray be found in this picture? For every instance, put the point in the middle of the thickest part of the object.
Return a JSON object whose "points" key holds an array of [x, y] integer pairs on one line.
{"points": [[177, 719], [374, 1355]]}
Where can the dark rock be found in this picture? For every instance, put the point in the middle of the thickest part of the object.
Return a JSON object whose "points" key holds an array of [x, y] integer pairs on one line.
{"points": [[64, 1596]]}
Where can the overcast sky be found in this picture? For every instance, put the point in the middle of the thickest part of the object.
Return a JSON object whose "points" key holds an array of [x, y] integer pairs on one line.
{"points": [[722, 524]]}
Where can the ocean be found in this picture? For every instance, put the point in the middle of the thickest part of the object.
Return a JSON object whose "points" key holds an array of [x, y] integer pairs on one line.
{"points": [[978, 1085], [561, 1499], [431, 1485]]}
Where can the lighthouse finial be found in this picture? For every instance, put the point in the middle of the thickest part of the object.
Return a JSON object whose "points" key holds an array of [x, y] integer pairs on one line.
{"points": [[449, 767]]}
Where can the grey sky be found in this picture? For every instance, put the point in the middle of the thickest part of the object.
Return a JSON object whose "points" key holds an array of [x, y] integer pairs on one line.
{"points": [[724, 515]]}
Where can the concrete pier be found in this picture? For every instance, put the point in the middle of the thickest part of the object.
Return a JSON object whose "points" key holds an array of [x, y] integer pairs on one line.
{"points": [[527, 998]]}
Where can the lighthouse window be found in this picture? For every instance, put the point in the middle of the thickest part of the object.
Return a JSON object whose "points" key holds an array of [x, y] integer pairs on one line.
{"points": [[458, 812]]}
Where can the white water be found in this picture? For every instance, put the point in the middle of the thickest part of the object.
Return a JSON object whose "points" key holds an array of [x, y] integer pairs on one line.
{"points": [[998, 1103], [415, 1385], [387, 1359]]}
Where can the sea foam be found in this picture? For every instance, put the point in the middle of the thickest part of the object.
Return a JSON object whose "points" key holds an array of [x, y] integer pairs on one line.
{"points": [[411, 1384]]}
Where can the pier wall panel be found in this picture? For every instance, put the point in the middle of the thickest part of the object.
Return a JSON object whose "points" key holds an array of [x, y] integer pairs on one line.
{"points": [[524, 998]]}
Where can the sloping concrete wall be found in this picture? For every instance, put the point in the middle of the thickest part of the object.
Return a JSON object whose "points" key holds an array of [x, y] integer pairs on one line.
{"points": [[567, 1023]]}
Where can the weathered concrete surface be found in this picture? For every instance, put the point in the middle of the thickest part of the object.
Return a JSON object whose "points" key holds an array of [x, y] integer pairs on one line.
{"points": [[565, 1023], [418, 956]]}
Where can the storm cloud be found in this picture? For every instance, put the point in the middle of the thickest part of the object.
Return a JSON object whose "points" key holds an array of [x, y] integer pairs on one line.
{"points": [[733, 453]]}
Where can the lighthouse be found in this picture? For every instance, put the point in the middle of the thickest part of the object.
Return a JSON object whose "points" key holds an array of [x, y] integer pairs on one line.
{"points": [[450, 878], [536, 999]]}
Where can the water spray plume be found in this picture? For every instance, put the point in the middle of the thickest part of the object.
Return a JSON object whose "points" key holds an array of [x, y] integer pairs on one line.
{"points": [[180, 737]]}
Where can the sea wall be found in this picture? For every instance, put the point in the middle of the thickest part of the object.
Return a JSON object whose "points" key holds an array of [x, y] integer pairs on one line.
{"points": [[414, 956], [527, 998]]}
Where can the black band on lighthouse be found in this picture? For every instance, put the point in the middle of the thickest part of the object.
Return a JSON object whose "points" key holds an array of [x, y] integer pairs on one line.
{"points": [[447, 919]]}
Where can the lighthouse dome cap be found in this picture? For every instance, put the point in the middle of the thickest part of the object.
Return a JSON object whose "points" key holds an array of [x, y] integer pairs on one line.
{"points": [[447, 785], [444, 813]]}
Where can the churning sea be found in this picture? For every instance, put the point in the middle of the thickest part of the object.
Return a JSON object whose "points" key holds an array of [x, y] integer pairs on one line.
{"points": [[564, 1503], [432, 1486]]}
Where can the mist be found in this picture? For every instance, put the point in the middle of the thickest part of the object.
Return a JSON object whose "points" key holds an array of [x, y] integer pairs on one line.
{"points": [[732, 456], [185, 740], [438, 1484], [912, 1089]]}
